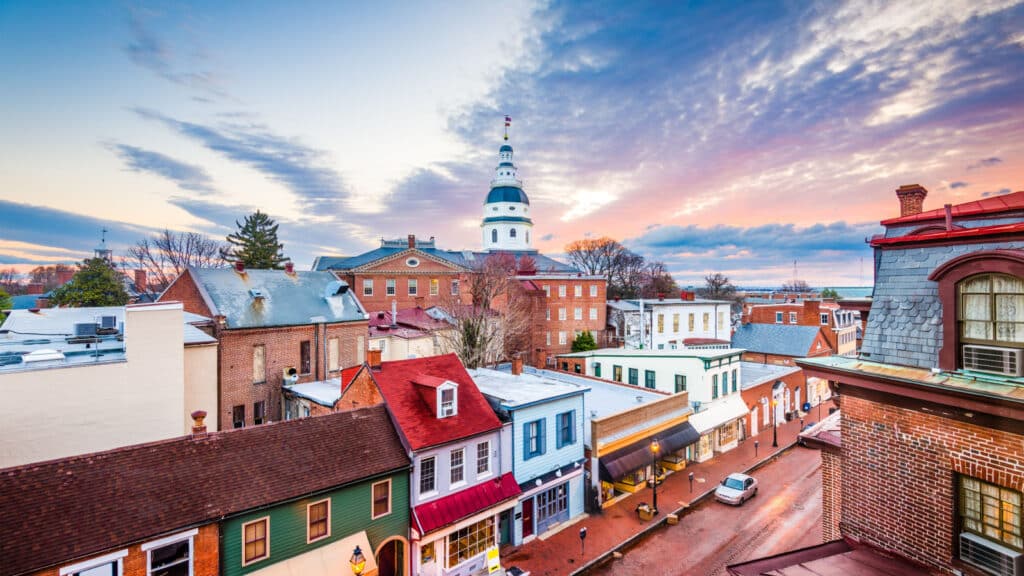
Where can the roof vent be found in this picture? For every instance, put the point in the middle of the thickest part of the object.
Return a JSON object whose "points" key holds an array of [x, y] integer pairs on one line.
{"points": [[85, 329], [42, 356], [335, 288], [108, 322], [257, 294]]}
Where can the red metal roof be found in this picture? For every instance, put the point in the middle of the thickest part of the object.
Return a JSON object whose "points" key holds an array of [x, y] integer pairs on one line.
{"points": [[409, 317], [464, 503], [836, 558], [992, 205], [416, 420], [703, 341], [349, 374], [946, 235]]}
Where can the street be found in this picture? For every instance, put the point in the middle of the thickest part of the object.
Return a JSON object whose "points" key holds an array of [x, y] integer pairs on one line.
{"points": [[785, 514]]}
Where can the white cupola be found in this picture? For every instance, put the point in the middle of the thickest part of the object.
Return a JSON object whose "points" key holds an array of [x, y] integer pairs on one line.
{"points": [[506, 224]]}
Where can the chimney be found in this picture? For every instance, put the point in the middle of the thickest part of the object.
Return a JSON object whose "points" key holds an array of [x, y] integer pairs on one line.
{"points": [[412, 240], [140, 281], [373, 359], [813, 307], [197, 422], [911, 199], [949, 217], [289, 267], [517, 365], [661, 296], [64, 276], [239, 266], [34, 288]]}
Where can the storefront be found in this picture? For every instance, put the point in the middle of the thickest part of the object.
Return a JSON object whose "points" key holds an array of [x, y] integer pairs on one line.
{"points": [[548, 501], [628, 469], [719, 426], [334, 558]]}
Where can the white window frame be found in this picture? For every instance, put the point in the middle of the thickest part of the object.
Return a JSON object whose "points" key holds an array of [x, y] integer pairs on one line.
{"points": [[373, 486], [455, 287], [561, 290], [435, 286], [265, 556], [792, 317], [433, 476], [413, 286], [547, 314], [547, 338], [98, 561], [561, 314], [561, 337], [823, 318], [577, 291], [368, 287], [389, 287], [328, 534], [593, 290], [593, 313], [461, 467], [486, 460], [577, 313], [547, 291], [333, 354], [441, 403], [778, 317]]}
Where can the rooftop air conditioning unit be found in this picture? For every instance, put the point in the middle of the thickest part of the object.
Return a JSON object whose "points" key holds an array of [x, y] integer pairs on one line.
{"points": [[990, 556], [85, 329], [290, 375], [1005, 361]]}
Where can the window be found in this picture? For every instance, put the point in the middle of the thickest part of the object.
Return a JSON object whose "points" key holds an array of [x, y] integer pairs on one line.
{"points": [[648, 378], [381, 499], [690, 322], [792, 317], [389, 287], [566, 428], [577, 313], [258, 412], [617, 373], [512, 233], [714, 386], [561, 313], [483, 459], [413, 287], [577, 291], [547, 314], [561, 337], [661, 323], [238, 416], [593, 313], [547, 291], [494, 235], [725, 383], [990, 511], [593, 290], [427, 484], [455, 287], [778, 317], [735, 380], [680, 383], [721, 320], [634, 376], [707, 321], [435, 286], [427, 550], [992, 310], [547, 338], [561, 291], [368, 287], [170, 556], [255, 540], [824, 318], [259, 364], [472, 540], [533, 439], [675, 323], [448, 407], [333, 354], [304, 358], [597, 369], [107, 565], [318, 520], [456, 467]]}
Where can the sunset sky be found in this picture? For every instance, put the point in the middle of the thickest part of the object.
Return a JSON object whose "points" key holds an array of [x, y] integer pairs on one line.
{"points": [[718, 136]]}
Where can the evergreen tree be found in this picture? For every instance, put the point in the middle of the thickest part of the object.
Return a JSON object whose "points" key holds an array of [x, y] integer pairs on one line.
{"points": [[829, 293], [5, 303], [255, 244], [95, 284], [583, 342]]}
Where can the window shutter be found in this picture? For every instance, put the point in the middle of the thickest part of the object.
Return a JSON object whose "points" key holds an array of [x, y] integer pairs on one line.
{"points": [[558, 431], [526, 441], [572, 427], [543, 433]]}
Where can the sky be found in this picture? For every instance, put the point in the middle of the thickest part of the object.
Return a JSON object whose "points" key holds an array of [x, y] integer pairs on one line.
{"points": [[762, 140]]}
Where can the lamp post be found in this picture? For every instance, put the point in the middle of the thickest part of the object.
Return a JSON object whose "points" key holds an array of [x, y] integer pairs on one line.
{"points": [[691, 482], [357, 561], [654, 473], [775, 429], [756, 444]]}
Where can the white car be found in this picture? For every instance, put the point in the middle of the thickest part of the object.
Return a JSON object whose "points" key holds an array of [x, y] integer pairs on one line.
{"points": [[736, 489]]}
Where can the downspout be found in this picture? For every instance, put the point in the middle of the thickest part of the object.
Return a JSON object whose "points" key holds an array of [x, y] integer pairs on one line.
{"points": [[316, 352]]}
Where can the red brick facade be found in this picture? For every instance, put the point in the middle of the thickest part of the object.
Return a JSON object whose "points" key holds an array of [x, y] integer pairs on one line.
{"points": [[795, 383], [433, 282], [831, 494], [808, 313], [570, 294], [362, 392], [819, 348], [183, 289]]}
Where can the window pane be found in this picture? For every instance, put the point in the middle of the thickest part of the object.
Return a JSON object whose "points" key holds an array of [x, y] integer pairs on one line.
{"points": [[1007, 285], [980, 284], [1010, 307], [170, 560]]}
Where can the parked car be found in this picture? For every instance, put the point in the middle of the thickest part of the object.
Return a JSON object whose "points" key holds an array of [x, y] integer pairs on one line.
{"points": [[736, 489], [800, 438]]}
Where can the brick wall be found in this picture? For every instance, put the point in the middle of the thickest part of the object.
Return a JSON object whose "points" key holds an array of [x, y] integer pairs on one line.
{"points": [[183, 289], [898, 483], [362, 392], [570, 302], [831, 495], [379, 300], [752, 398]]}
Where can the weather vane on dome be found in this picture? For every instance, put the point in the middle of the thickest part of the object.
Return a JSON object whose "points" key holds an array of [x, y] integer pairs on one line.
{"points": [[508, 122]]}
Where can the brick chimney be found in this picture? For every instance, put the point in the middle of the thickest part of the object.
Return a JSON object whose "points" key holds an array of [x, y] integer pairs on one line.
{"points": [[812, 308], [239, 266], [197, 422], [911, 199], [412, 240], [140, 281], [34, 288], [373, 359], [64, 276], [517, 365]]}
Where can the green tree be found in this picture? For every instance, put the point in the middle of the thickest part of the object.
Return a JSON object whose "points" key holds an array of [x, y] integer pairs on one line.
{"points": [[583, 342], [255, 244], [5, 303], [829, 293], [95, 284]]}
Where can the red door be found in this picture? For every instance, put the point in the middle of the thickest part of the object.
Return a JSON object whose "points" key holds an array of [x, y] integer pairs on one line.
{"points": [[527, 517]]}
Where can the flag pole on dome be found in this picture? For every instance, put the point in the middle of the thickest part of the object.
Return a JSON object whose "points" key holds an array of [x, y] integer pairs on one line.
{"points": [[508, 122]]}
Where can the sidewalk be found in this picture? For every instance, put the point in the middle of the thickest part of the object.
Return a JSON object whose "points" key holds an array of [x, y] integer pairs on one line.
{"points": [[560, 553]]}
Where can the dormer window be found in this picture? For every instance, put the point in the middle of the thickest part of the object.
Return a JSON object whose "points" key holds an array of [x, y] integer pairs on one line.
{"points": [[447, 405]]}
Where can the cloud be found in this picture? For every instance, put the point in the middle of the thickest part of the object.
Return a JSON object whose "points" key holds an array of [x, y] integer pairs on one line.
{"points": [[303, 170], [985, 162], [187, 176], [151, 52], [955, 185], [1001, 192], [547, 237]]}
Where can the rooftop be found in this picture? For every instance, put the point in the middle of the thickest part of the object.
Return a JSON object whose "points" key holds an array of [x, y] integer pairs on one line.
{"points": [[702, 354], [828, 432], [983, 207], [781, 339], [755, 373], [836, 558], [464, 259], [524, 389]]}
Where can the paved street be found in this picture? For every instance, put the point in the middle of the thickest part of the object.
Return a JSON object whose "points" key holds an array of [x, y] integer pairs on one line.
{"points": [[785, 514]]}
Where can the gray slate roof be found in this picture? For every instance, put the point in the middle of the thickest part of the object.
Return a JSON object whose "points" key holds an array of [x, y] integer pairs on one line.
{"points": [[287, 299], [755, 373], [465, 258], [782, 339]]}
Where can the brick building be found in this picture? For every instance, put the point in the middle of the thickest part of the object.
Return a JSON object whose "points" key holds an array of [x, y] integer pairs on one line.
{"points": [[931, 447], [838, 326], [274, 327], [780, 343], [763, 384]]}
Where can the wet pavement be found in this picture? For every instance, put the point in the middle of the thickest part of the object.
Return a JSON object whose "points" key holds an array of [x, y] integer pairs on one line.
{"points": [[619, 528]]}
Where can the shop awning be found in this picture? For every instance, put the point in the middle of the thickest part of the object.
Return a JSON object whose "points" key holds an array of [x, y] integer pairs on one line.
{"points": [[464, 503], [719, 412], [332, 558], [617, 464]]}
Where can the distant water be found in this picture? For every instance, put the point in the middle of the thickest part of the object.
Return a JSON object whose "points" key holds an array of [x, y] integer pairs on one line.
{"points": [[844, 291]]}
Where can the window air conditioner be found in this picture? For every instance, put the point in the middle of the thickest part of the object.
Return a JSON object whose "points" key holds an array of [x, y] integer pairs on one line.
{"points": [[989, 556], [290, 375], [1006, 361]]}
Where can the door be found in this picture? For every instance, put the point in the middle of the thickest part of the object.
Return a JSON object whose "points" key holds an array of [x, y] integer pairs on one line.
{"points": [[390, 559], [527, 517], [753, 421], [504, 525]]}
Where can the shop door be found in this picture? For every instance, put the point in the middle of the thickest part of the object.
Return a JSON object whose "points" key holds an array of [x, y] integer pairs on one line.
{"points": [[504, 527], [527, 517], [390, 559]]}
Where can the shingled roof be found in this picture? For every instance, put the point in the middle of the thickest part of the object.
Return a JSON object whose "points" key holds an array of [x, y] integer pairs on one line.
{"points": [[62, 510], [781, 339]]}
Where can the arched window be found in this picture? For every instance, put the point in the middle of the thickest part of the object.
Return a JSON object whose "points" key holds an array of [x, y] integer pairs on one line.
{"points": [[991, 310], [512, 233], [494, 236]]}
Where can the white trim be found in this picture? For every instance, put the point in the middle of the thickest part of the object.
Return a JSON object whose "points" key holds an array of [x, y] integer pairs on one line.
{"points": [[267, 554], [373, 500], [169, 540], [548, 485], [105, 559], [328, 534]]}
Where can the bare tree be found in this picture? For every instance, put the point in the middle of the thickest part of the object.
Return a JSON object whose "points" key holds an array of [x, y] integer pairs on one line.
{"points": [[9, 281], [597, 256], [718, 287], [169, 253], [798, 286], [48, 275]]}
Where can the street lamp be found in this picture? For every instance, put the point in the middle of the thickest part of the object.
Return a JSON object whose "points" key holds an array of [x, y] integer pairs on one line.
{"points": [[654, 473], [756, 444], [775, 429], [357, 561]]}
